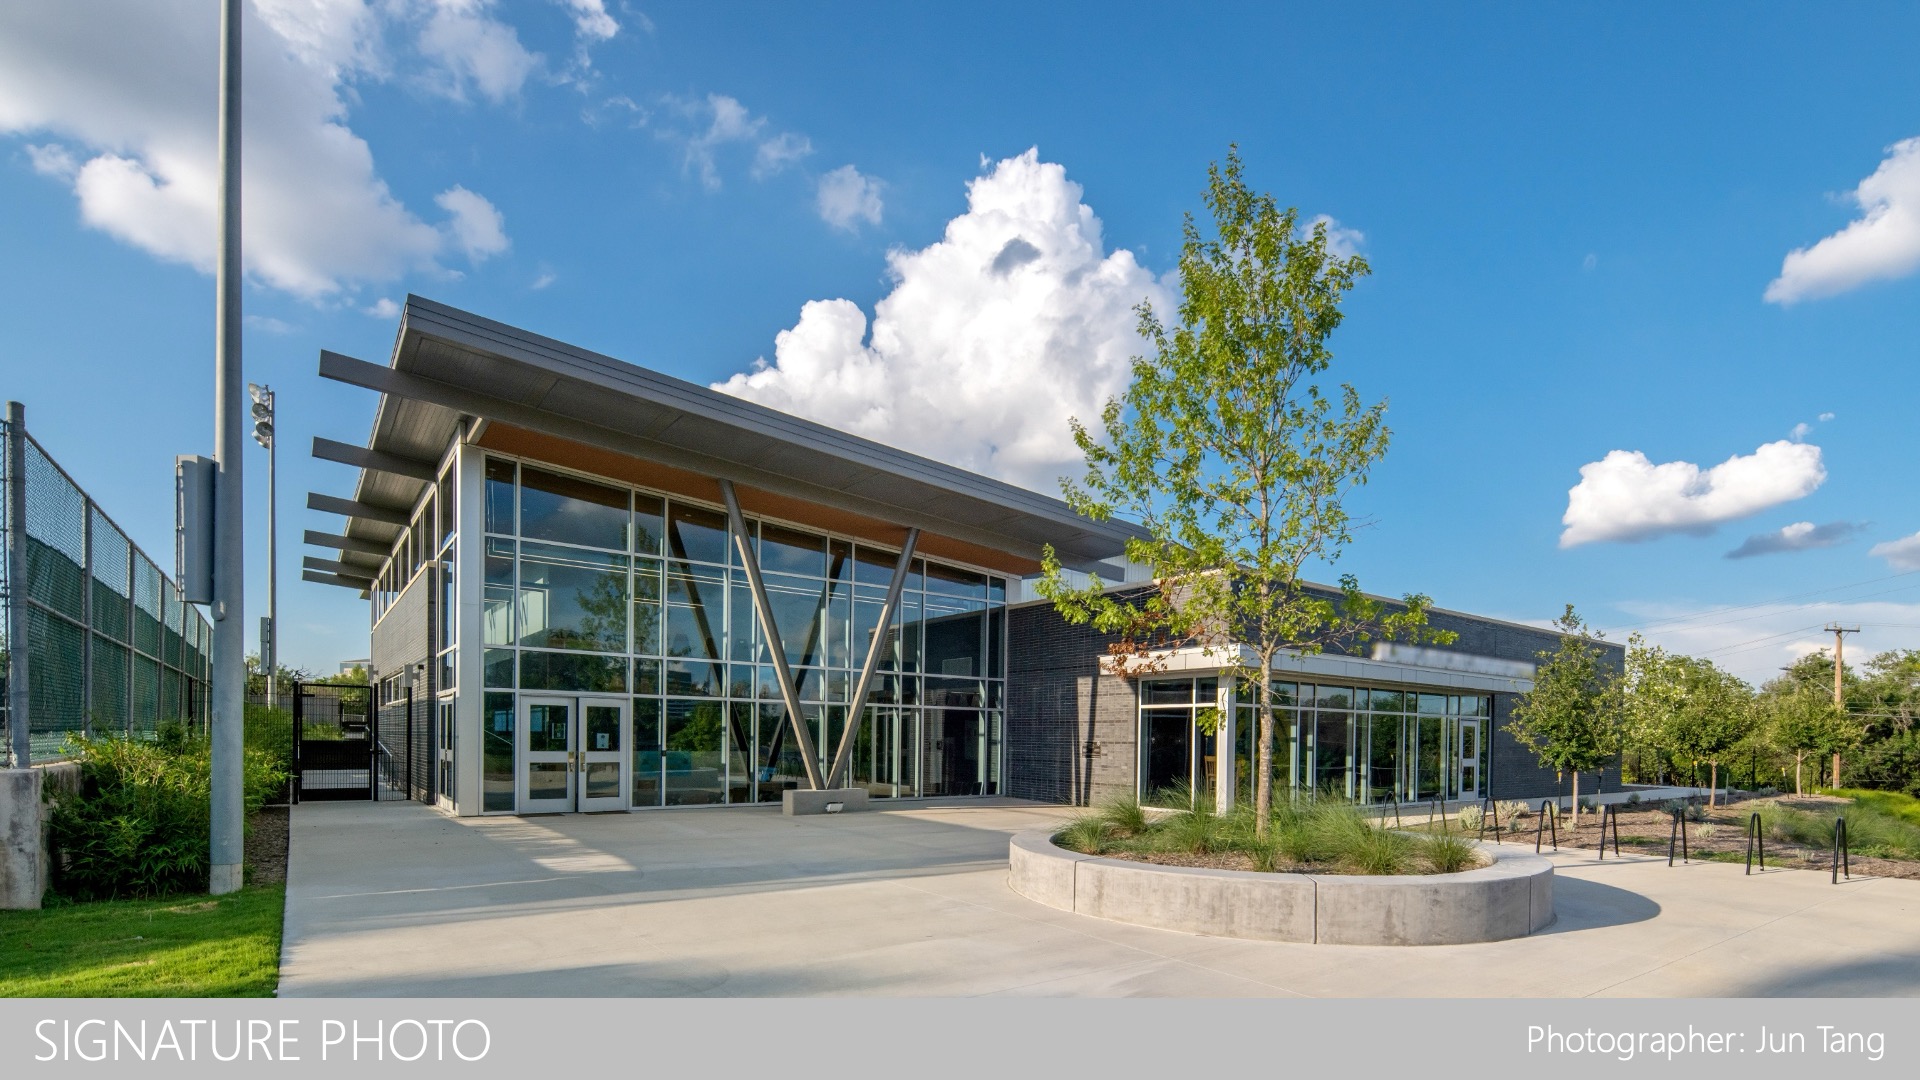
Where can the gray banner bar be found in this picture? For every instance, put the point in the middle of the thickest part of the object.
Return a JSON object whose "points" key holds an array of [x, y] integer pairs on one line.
{"points": [[1003, 1037]]}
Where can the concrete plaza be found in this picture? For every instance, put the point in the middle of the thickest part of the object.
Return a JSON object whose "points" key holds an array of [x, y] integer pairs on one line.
{"points": [[398, 900]]}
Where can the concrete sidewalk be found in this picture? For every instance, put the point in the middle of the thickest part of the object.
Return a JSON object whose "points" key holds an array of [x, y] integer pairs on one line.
{"points": [[398, 900]]}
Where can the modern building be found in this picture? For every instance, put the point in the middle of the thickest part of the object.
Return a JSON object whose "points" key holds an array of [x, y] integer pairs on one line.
{"points": [[597, 587]]}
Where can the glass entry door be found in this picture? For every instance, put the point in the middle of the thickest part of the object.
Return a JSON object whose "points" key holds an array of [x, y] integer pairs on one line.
{"points": [[1469, 773], [572, 754], [603, 759]]}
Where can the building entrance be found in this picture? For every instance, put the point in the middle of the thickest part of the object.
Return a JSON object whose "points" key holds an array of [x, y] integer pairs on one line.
{"points": [[1469, 745], [573, 754]]}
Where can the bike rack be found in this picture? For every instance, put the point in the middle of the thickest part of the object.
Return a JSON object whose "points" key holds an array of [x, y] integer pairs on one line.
{"points": [[1609, 812], [1755, 837], [1549, 818], [1842, 863], [1489, 812], [1679, 834]]}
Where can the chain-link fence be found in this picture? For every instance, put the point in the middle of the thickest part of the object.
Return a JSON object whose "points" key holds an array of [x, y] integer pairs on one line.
{"points": [[108, 642]]}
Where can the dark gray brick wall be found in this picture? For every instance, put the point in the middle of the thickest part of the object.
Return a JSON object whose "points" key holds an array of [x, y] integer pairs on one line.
{"points": [[1071, 730], [1514, 772]]}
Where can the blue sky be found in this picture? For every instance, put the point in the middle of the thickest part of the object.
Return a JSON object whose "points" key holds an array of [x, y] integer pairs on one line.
{"points": [[1579, 220]]}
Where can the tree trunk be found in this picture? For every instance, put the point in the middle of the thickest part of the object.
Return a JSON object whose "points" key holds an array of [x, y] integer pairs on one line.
{"points": [[1836, 769], [1576, 800], [1799, 787], [1713, 780], [1263, 780]]}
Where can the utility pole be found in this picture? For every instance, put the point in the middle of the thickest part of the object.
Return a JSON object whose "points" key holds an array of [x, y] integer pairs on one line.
{"points": [[229, 528], [1839, 697]]}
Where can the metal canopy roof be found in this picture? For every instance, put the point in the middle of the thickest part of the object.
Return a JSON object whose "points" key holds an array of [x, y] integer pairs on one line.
{"points": [[449, 364]]}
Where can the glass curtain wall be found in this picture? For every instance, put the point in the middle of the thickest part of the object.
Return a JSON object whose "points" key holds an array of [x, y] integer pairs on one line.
{"points": [[594, 587], [1366, 744]]}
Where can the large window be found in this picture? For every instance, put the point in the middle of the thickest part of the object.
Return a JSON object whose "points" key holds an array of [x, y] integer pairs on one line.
{"points": [[592, 587], [1367, 744]]}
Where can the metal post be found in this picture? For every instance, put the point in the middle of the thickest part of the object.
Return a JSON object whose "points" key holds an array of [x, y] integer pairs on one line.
{"points": [[229, 533], [86, 616], [17, 700], [409, 736], [737, 524], [842, 759], [126, 666], [299, 733]]}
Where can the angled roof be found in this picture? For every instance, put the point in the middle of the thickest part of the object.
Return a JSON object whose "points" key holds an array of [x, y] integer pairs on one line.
{"points": [[449, 364]]}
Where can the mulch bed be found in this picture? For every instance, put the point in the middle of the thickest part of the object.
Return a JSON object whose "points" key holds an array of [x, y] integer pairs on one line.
{"points": [[1646, 831], [1224, 860], [266, 852]]}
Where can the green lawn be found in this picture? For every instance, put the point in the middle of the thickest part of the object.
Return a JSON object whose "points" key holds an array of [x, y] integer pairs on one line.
{"points": [[188, 946]]}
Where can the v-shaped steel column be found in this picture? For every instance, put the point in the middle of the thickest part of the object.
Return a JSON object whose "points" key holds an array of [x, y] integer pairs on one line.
{"points": [[751, 562], [844, 756]]}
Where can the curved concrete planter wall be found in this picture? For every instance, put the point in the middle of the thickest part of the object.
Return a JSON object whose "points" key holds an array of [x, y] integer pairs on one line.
{"points": [[1511, 898]]}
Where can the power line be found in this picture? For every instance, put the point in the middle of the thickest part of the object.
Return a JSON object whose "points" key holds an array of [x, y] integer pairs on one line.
{"points": [[1742, 646], [1776, 600]]}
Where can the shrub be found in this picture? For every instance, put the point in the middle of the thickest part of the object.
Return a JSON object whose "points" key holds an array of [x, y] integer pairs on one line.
{"points": [[1471, 817], [1086, 834], [1706, 830], [138, 825], [1125, 817], [1512, 810], [1447, 852], [271, 731], [1633, 799], [1377, 851]]}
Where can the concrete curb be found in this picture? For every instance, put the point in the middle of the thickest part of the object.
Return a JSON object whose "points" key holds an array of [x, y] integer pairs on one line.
{"points": [[1511, 898]]}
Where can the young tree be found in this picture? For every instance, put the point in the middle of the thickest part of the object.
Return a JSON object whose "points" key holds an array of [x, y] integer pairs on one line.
{"points": [[1650, 695], [1714, 712], [1802, 719], [1571, 719], [1236, 463]]}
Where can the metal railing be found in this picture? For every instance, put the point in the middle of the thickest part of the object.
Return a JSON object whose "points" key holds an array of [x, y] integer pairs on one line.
{"points": [[1842, 863], [1549, 819], [96, 639], [1756, 836], [1609, 812]]}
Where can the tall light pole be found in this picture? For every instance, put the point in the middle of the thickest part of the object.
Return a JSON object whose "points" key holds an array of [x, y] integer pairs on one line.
{"points": [[229, 531], [269, 626]]}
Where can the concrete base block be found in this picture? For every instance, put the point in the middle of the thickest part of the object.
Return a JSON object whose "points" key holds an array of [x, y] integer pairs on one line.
{"points": [[795, 802], [23, 849]]}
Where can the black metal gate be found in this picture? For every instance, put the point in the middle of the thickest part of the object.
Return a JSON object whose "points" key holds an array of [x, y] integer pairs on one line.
{"points": [[333, 742]]}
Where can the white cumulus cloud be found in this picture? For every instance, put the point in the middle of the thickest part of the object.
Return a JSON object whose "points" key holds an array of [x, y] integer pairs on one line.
{"points": [[1625, 496], [476, 227], [992, 336], [1342, 242], [722, 121], [1883, 243], [591, 21], [471, 51], [1901, 554], [119, 96], [846, 197]]}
